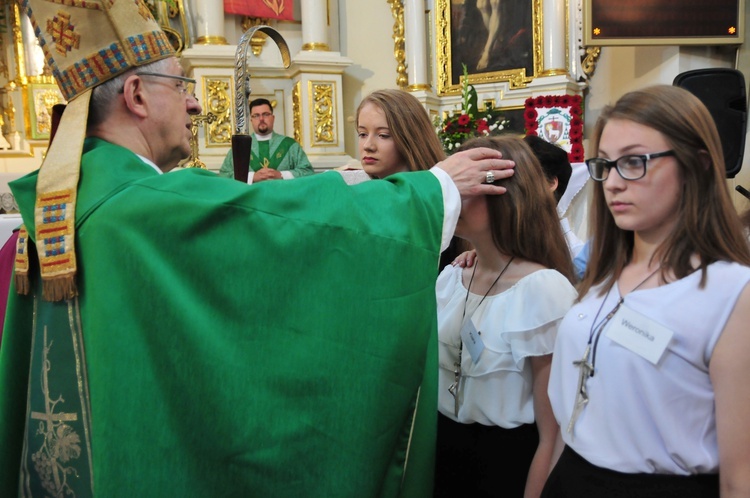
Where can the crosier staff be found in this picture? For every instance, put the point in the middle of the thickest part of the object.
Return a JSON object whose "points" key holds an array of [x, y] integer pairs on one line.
{"points": [[241, 139]]}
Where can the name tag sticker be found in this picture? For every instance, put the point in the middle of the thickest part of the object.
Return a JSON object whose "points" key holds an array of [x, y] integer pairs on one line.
{"points": [[472, 340], [639, 334]]}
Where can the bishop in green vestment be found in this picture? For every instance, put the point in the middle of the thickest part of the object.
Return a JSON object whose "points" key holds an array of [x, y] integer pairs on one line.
{"points": [[149, 354], [199, 381]]}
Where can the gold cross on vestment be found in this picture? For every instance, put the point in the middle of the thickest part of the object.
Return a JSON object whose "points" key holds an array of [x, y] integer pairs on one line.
{"points": [[61, 30]]}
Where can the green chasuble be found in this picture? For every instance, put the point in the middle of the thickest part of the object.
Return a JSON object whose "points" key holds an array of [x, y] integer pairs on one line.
{"points": [[264, 158], [197, 363], [280, 153]]}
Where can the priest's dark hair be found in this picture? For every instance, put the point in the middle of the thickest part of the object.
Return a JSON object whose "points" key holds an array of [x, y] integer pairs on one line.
{"points": [[260, 101]]}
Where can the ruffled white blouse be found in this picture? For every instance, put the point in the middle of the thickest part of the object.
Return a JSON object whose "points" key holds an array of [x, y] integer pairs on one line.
{"points": [[521, 322]]}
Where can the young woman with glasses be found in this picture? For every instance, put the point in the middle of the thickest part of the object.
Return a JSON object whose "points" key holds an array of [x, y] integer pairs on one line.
{"points": [[649, 379]]}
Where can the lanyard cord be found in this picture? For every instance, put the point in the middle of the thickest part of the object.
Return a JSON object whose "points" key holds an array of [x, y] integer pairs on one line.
{"points": [[454, 388], [463, 315], [596, 329]]}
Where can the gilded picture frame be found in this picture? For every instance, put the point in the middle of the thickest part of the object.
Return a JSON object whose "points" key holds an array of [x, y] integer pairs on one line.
{"points": [[658, 22], [40, 97], [515, 54]]}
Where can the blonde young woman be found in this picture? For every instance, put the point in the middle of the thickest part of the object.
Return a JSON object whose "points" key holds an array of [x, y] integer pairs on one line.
{"points": [[650, 375], [497, 323], [394, 135]]}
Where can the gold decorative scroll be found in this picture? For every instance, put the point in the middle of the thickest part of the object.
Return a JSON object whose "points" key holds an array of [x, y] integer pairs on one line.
{"points": [[322, 116], [399, 42], [219, 103], [259, 38], [297, 111], [588, 63]]}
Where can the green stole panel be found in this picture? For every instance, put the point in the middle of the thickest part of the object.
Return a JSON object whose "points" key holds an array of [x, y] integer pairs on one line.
{"points": [[57, 448], [264, 158]]}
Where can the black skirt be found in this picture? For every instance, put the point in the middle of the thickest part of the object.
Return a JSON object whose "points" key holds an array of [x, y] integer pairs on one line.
{"points": [[475, 460], [575, 477]]}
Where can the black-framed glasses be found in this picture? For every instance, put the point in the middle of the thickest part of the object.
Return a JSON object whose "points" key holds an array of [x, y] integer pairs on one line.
{"points": [[630, 167], [264, 115], [186, 88]]}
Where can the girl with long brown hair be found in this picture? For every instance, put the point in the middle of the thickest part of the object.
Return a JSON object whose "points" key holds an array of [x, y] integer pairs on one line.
{"points": [[496, 327], [650, 374]]}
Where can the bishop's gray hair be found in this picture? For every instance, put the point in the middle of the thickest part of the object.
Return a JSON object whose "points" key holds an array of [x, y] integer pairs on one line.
{"points": [[103, 95]]}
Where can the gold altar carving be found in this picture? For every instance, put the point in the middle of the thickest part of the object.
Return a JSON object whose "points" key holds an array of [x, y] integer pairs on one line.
{"points": [[39, 91], [313, 46], [322, 116], [218, 102], [297, 111], [259, 37], [399, 42], [171, 16], [38, 101], [588, 63], [194, 161]]}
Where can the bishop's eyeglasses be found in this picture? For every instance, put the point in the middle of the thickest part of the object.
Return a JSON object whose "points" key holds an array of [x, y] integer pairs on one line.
{"points": [[630, 167], [186, 86]]}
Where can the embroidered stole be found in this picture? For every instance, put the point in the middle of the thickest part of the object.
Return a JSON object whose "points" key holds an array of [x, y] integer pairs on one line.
{"points": [[264, 157], [57, 458]]}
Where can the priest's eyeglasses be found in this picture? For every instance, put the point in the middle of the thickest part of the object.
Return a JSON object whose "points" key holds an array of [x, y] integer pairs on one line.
{"points": [[630, 167], [186, 86]]}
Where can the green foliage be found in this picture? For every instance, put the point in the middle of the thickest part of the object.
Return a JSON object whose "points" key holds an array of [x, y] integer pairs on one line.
{"points": [[469, 121]]}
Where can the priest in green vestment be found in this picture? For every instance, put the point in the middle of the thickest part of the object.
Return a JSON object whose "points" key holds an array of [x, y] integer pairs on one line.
{"points": [[145, 350], [272, 156]]}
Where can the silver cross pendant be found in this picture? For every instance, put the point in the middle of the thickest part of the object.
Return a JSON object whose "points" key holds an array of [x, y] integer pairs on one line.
{"points": [[585, 370], [453, 388]]}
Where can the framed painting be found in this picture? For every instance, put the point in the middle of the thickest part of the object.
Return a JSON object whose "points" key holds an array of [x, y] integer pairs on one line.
{"points": [[559, 120], [40, 97], [663, 22], [496, 40]]}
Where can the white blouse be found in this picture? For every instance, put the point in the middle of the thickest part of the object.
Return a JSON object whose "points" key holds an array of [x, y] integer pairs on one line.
{"points": [[496, 388], [643, 417]]}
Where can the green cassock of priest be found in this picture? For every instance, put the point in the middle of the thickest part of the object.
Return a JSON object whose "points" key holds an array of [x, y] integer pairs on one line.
{"points": [[272, 156], [149, 351]]}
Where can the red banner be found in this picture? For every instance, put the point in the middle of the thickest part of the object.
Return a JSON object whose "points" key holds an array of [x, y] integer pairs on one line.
{"points": [[270, 9]]}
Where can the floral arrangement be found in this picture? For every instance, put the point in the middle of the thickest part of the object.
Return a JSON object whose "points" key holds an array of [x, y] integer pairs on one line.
{"points": [[557, 119], [468, 121]]}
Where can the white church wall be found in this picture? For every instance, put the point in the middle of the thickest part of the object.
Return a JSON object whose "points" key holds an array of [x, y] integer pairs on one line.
{"points": [[366, 37]]}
